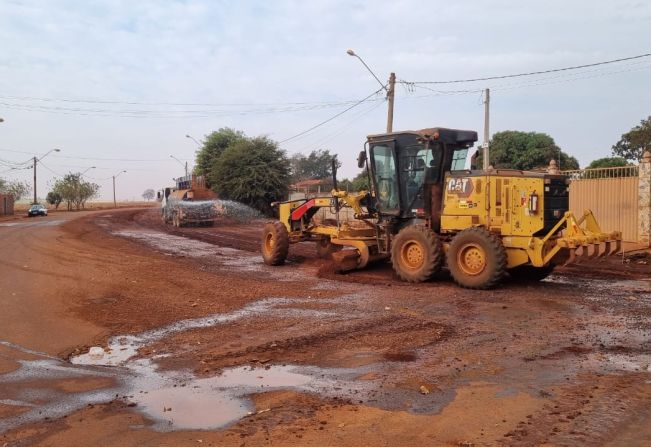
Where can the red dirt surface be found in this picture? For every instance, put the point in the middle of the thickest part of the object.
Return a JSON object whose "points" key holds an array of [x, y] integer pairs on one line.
{"points": [[561, 362]]}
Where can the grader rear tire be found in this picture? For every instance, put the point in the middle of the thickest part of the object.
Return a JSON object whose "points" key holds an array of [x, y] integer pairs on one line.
{"points": [[275, 243], [477, 258], [416, 254]]}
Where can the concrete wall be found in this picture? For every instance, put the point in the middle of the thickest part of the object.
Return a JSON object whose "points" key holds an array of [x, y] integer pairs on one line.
{"points": [[644, 200], [6, 204]]}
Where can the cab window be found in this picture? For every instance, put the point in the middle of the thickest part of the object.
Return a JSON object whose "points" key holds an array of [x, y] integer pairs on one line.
{"points": [[459, 159], [384, 169]]}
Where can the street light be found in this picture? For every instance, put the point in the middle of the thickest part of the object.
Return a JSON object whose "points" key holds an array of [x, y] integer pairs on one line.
{"points": [[352, 53], [92, 167], [185, 165], [115, 204], [390, 91], [193, 139], [36, 160]]}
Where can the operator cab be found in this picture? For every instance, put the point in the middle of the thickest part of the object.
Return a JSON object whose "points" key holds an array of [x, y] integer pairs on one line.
{"points": [[403, 165]]}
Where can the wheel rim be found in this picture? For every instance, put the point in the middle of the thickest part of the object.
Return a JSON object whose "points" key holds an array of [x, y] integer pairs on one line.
{"points": [[412, 255], [269, 242], [471, 259]]}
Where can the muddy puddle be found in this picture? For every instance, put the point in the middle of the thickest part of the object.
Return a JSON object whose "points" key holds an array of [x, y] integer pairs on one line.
{"points": [[172, 400], [231, 258], [605, 289]]}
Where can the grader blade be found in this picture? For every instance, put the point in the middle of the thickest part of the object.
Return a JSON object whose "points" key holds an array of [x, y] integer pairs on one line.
{"points": [[345, 260]]}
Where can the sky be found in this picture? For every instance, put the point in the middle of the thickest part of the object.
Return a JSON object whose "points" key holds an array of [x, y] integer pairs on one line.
{"points": [[117, 85]]}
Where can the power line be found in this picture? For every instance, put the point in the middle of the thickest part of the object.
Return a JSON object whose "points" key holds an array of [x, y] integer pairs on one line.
{"points": [[533, 73], [176, 104], [99, 158], [341, 129], [361, 101], [530, 83]]}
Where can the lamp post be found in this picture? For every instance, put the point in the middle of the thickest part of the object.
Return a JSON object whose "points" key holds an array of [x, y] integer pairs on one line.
{"points": [[88, 169], [390, 91], [115, 204], [36, 160], [193, 139], [185, 165]]}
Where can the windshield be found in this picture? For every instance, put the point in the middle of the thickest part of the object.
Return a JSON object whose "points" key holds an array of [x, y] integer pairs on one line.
{"points": [[459, 159], [384, 170], [415, 159]]}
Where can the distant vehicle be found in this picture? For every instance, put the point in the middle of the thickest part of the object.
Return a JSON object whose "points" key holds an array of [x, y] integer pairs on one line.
{"points": [[191, 202], [37, 210]]}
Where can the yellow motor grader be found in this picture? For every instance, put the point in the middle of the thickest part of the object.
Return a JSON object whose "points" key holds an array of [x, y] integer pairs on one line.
{"points": [[425, 211]]}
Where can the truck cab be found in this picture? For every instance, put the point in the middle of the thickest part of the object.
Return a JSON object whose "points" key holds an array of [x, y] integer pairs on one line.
{"points": [[407, 169]]}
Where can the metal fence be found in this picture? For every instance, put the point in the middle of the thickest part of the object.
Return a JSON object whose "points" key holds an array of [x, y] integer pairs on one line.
{"points": [[612, 195], [599, 173]]}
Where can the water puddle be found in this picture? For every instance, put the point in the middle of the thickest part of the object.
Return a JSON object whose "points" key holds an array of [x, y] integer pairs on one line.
{"points": [[173, 400], [45, 223], [603, 290], [124, 347], [229, 257]]}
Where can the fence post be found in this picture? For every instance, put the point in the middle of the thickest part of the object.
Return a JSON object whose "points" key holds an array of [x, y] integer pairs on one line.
{"points": [[644, 216]]}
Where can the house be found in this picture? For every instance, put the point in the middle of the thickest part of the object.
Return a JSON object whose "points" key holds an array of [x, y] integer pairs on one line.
{"points": [[6, 204]]}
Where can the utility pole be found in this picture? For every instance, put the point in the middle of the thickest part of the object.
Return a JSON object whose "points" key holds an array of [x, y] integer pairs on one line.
{"points": [[486, 155], [35, 179], [115, 204], [391, 93], [186, 168]]}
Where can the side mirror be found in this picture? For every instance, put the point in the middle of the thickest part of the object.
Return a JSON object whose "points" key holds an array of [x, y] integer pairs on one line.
{"points": [[361, 159]]}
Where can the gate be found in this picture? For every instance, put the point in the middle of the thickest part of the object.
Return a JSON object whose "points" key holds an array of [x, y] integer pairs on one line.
{"points": [[611, 194]]}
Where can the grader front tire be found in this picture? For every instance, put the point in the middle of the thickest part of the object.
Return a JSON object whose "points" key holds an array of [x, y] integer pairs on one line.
{"points": [[416, 254], [275, 243], [477, 259]]}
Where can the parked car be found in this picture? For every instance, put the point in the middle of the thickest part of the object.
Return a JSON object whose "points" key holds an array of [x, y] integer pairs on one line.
{"points": [[37, 210]]}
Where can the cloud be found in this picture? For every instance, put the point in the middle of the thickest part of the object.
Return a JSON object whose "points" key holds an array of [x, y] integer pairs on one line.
{"points": [[284, 51]]}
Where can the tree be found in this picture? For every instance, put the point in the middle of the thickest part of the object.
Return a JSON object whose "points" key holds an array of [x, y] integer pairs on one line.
{"points": [[213, 147], [16, 188], [360, 182], [608, 162], [54, 198], [253, 171], [148, 194], [316, 165], [633, 143], [75, 190], [512, 149]]}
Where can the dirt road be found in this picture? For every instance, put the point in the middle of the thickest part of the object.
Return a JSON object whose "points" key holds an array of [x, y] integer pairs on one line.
{"points": [[205, 345]]}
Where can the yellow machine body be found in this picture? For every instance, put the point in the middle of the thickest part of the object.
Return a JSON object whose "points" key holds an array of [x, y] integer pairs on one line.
{"points": [[512, 205], [428, 212]]}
